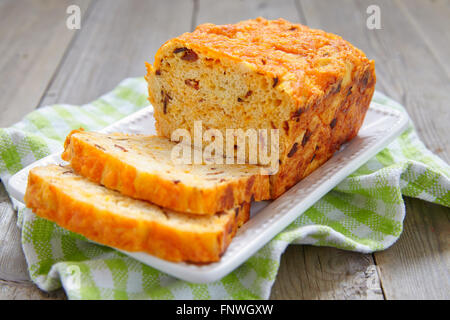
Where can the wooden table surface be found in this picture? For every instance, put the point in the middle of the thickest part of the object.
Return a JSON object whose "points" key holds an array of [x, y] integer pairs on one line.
{"points": [[43, 62]]}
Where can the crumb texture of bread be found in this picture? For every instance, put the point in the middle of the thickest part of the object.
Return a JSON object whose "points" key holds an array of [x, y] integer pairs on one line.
{"points": [[141, 167], [110, 218], [313, 86]]}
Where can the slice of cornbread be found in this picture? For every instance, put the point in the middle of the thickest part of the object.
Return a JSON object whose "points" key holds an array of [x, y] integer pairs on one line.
{"points": [[108, 217], [141, 167], [313, 86]]}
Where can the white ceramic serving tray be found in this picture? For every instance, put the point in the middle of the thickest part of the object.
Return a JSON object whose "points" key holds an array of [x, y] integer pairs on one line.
{"points": [[268, 218]]}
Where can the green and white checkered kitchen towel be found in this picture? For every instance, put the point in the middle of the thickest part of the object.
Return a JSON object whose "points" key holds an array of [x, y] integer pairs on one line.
{"points": [[364, 213]]}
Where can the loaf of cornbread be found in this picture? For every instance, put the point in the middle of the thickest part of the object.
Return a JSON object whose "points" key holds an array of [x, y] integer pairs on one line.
{"points": [[313, 86], [110, 218], [142, 167]]}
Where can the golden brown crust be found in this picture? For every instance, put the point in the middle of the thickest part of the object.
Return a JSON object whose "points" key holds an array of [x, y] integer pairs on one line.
{"points": [[327, 124], [312, 60], [65, 207], [96, 162], [322, 86]]}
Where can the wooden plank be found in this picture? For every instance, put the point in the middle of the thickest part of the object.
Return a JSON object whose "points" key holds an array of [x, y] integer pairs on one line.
{"points": [[232, 11], [417, 265], [114, 43], [408, 71], [431, 19], [33, 40], [297, 277], [27, 291], [309, 273]]}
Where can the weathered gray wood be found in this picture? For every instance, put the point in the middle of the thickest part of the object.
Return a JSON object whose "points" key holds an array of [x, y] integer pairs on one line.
{"points": [[114, 43], [33, 40], [297, 279], [408, 71], [432, 21], [232, 11], [27, 291], [417, 266], [308, 272]]}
